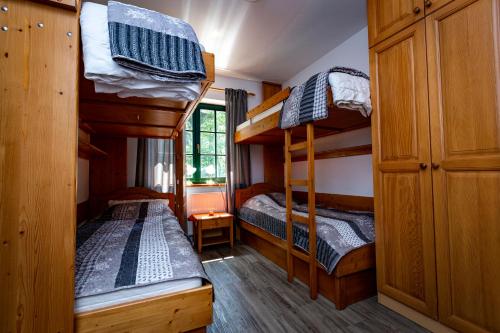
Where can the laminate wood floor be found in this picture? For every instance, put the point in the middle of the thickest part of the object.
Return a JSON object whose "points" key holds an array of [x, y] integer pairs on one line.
{"points": [[252, 295]]}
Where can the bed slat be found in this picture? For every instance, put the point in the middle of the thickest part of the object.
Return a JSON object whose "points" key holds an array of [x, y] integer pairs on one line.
{"points": [[298, 146], [300, 219]]}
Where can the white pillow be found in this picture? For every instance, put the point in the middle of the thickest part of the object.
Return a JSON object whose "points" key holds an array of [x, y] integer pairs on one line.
{"points": [[119, 202]]}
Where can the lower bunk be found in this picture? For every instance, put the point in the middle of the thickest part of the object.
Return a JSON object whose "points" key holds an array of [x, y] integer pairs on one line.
{"points": [[350, 280], [137, 272]]}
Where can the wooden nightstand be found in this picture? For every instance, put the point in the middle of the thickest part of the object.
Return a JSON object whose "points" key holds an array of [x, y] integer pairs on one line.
{"points": [[205, 221]]}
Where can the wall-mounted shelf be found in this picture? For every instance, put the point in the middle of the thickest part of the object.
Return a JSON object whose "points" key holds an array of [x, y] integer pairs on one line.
{"points": [[336, 153]]}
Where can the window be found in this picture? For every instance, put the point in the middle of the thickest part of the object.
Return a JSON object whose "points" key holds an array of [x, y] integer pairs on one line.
{"points": [[205, 145]]}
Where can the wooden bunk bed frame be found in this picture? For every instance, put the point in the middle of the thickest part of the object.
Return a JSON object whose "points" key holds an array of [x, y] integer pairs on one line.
{"points": [[354, 276], [267, 131], [183, 311], [109, 114]]}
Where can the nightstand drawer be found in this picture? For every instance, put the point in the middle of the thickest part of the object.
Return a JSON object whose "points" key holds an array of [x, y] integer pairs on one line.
{"points": [[221, 222]]}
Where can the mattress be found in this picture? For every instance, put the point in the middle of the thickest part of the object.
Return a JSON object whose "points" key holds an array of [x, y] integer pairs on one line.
{"points": [[94, 302], [135, 250], [260, 116]]}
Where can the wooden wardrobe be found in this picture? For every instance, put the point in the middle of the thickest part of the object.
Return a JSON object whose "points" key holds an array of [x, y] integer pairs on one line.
{"points": [[38, 155], [435, 75]]}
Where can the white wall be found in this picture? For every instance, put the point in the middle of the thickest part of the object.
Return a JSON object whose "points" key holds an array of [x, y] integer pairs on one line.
{"points": [[347, 175], [82, 184], [235, 83], [351, 53]]}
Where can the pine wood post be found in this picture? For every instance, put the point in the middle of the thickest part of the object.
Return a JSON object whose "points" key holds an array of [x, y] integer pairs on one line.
{"points": [[288, 187], [313, 274]]}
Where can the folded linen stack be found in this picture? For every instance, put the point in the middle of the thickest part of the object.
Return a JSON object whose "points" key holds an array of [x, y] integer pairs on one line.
{"points": [[351, 89], [308, 102], [136, 61]]}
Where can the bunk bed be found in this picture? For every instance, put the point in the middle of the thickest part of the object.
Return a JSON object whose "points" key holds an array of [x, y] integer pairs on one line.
{"points": [[353, 277], [262, 125], [179, 305], [138, 117], [165, 303]]}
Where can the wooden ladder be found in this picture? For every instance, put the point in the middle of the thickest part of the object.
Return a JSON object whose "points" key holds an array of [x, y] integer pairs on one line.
{"points": [[310, 220]]}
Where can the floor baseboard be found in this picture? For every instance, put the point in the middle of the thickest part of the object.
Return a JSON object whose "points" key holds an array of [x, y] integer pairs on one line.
{"points": [[415, 316]]}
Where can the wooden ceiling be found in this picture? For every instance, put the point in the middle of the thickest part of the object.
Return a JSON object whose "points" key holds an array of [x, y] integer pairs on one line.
{"points": [[107, 114]]}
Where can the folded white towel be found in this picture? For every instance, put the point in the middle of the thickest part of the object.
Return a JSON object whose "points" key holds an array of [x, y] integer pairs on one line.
{"points": [[110, 77], [351, 92], [174, 92]]}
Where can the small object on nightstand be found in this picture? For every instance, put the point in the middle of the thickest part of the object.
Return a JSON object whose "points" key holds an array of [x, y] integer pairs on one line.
{"points": [[211, 213], [211, 221]]}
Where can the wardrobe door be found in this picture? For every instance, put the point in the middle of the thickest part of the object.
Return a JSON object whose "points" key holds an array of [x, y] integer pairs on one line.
{"points": [[387, 17], [432, 5], [464, 85], [402, 175]]}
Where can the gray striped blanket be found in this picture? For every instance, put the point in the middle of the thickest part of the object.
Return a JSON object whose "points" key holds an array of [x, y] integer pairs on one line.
{"points": [[133, 244], [308, 102], [338, 232], [154, 43]]}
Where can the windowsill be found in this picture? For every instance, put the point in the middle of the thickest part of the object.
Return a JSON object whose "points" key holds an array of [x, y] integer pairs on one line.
{"points": [[206, 185]]}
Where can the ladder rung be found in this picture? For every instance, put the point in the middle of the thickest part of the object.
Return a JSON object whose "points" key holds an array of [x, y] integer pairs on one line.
{"points": [[299, 182], [299, 254], [300, 219], [298, 146]]}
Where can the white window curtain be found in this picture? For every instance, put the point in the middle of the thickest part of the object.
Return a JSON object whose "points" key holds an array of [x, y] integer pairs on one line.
{"points": [[155, 168]]}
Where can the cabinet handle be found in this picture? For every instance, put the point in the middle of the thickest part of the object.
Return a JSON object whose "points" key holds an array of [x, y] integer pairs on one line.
{"points": [[416, 10], [435, 166], [428, 3], [422, 166]]}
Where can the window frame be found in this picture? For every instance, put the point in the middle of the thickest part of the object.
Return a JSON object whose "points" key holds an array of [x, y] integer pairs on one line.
{"points": [[196, 140]]}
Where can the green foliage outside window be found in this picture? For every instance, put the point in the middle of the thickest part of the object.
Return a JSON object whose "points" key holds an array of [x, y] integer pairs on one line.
{"points": [[205, 145]]}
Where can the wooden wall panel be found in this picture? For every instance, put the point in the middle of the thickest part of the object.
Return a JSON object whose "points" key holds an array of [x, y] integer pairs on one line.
{"points": [[269, 89], [38, 158], [274, 157], [274, 161], [107, 174], [339, 201]]}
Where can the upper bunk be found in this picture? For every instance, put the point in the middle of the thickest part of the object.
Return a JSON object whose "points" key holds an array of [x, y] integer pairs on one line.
{"points": [[108, 114], [262, 125]]}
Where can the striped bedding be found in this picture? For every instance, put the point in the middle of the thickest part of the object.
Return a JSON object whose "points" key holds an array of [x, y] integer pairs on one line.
{"points": [[154, 43], [133, 244], [308, 102], [338, 232]]}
